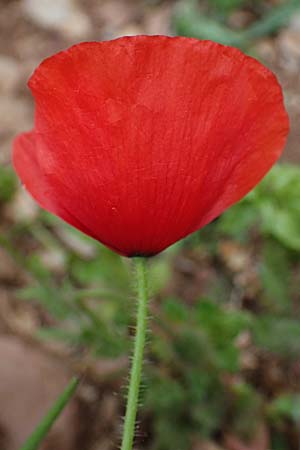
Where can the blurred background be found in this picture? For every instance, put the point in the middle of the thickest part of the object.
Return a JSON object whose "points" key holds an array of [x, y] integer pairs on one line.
{"points": [[223, 360]]}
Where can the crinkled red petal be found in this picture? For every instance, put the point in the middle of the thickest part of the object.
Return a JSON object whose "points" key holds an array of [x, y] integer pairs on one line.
{"points": [[142, 140]]}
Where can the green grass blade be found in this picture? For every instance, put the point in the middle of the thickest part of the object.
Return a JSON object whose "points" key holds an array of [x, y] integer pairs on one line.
{"points": [[42, 429]]}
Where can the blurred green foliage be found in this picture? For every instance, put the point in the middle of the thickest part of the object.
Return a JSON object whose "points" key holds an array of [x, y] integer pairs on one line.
{"points": [[194, 349], [274, 206], [285, 406], [226, 6], [210, 21], [8, 184], [197, 385]]}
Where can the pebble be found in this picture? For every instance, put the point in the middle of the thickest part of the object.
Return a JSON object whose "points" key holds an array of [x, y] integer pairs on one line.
{"points": [[16, 116], [128, 30], [15, 113], [9, 74], [289, 50], [8, 269], [60, 15], [54, 259], [266, 50], [116, 13], [240, 19], [86, 249], [22, 208], [158, 20]]}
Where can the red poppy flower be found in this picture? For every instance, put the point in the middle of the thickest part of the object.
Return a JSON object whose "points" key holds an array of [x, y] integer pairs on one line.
{"points": [[140, 141]]}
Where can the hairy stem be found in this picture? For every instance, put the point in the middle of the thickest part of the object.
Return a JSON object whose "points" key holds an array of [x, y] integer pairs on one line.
{"points": [[138, 354]]}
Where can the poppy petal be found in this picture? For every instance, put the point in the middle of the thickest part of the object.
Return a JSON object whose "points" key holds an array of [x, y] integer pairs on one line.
{"points": [[142, 140], [29, 170]]}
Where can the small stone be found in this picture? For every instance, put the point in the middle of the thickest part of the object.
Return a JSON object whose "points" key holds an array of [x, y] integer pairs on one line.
{"points": [[243, 340], [23, 208], [108, 410], [158, 20], [61, 15], [77, 26], [295, 23], [116, 13], [236, 257], [15, 114], [266, 50], [289, 50], [9, 74], [206, 445], [47, 13], [8, 269], [54, 259], [240, 19], [76, 243], [129, 30]]}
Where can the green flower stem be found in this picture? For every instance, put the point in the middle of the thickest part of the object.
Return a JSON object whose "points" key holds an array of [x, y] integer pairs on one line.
{"points": [[138, 354], [43, 428]]}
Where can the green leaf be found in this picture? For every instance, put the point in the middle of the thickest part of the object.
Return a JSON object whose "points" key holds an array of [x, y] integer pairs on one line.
{"points": [[159, 274], [175, 311], [108, 269], [8, 184], [226, 6], [284, 224], [280, 336], [61, 335], [246, 404], [238, 220], [286, 406], [272, 21], [273, 206], [43, 428], [189, 21], [275, 273], [47, 296]]}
